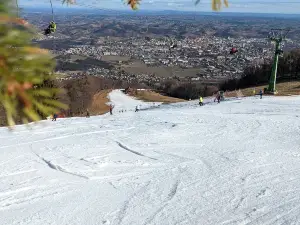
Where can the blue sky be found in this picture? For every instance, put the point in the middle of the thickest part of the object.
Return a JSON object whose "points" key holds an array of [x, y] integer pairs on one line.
{"points": [[254, 6]]}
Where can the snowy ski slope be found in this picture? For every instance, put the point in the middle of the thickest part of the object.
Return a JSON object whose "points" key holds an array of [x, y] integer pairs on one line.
{"points": [[237, 162]]}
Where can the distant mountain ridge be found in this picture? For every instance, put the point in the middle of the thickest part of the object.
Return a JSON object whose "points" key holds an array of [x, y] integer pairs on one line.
{"points": [[103, 11]]}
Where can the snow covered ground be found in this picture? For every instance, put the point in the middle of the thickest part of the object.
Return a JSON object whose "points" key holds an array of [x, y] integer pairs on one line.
{"points": [[122, 102], [237, 162]]}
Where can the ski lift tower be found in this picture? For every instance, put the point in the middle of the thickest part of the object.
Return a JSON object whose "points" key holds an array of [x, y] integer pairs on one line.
{"points": [[277, 36]]}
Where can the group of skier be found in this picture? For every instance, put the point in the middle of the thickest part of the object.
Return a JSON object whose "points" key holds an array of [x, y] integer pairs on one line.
{"points": [[219, 97], [201, 103]]}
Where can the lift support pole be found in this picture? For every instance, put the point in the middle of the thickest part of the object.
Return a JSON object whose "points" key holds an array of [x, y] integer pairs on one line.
{"points": [[277, 37]]}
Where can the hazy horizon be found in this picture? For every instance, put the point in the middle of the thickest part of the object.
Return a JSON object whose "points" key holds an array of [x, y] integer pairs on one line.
{"points": [[236, 6], [150, 11]]}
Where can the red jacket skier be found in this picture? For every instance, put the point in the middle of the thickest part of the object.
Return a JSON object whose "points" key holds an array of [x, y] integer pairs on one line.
{"points": [[111, 109]]}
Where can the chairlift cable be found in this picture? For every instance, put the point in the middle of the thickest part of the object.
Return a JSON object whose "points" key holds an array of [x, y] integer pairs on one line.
{"points": [[52, 10], [17, 5]]}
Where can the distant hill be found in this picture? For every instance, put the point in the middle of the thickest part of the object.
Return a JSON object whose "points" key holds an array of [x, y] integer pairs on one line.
{"points": [[102, 11]]}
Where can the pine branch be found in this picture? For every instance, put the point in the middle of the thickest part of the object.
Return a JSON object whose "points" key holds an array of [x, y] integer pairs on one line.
{"points": [[23, 68]]}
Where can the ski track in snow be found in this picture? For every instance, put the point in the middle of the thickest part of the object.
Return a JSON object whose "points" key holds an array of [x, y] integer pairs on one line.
{"points": [[130, 150], [122, 212], [64, 136], [166, 202], [231, 163], [59, 168]]}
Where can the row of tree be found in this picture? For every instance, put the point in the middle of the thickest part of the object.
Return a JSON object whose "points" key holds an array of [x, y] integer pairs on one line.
{"points": [[186, 90]]}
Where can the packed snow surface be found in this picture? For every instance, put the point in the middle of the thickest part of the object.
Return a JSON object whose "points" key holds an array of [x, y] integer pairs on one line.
{"points": [[237, 162], [123, 102]]}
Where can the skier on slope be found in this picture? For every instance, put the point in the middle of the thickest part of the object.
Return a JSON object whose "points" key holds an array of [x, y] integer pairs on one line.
{"points": [[201, 101], [111, 107], [260, 94], [54, 116], [218, 97], [215, 98], [87, 114]]}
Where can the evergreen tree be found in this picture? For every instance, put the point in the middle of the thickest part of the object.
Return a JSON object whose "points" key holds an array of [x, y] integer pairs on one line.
{"points": [[23, 68]]}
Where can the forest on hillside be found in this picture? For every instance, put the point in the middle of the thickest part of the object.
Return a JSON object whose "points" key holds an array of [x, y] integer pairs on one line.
{"points": [[288, 70]]}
